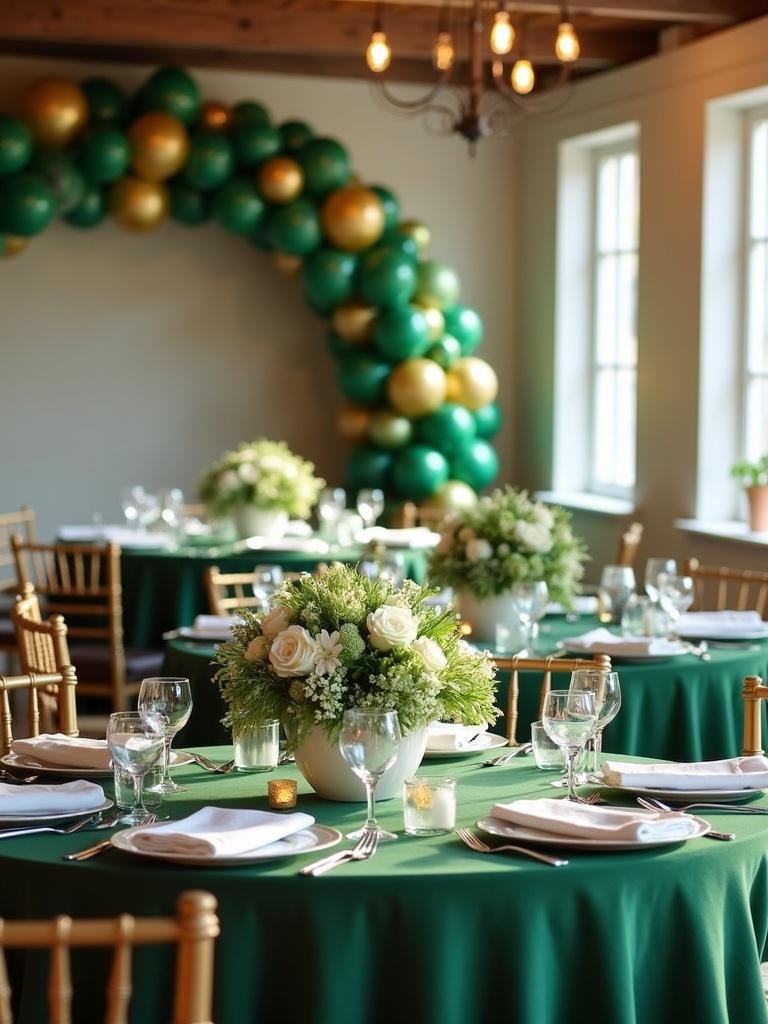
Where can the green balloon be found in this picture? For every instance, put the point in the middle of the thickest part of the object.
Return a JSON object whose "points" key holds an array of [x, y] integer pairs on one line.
{"points": [[105, 154], [402, 245], [477, 465], [325, 164], [239, 206], [363, 378], [328, 276], [188, 205], [466, 326], [250, 112], [294, 135], [368, 467], [445, 352], [450, 429], [15, 145], [106, 101], [488, 420], [27, 205], [386, 278], [210, 161], [255, 142], [338, 347], [173, 91], [391, 206], [295, 227], [90, 211], [62, 177], [401, 333], [389, 430], [418, 471], [438, 285]]}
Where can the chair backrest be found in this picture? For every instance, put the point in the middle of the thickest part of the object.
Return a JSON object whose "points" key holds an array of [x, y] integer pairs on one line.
{"points": [[412, 515], [22, 523], [518, 664], [629, 542], [228, 591], [62, 683], [752, 694], [193, 930], [717, 588]]}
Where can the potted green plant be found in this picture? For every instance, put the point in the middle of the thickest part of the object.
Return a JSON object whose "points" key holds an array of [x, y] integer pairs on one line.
{"points": [[753, 476]]}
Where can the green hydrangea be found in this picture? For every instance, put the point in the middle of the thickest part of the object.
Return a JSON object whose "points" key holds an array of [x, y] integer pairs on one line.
{"points": [[352, 644]]}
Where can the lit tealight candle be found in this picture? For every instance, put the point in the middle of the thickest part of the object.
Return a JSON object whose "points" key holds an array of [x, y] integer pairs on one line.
{"points": [[281, 793]]}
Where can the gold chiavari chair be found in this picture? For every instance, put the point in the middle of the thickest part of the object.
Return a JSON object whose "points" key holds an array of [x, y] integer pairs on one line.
{"points": [[22, 523], [83, 583], [717, 588], [752, 694], [517, 664], [629, 542], [412, 515], [227, 592], [193, 930], [61, 683]]}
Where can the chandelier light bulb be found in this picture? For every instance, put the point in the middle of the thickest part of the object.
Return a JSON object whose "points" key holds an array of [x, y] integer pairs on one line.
{"points": [[502, 33], [379, 52], [443, 52], [522, 77], [567, 45]]}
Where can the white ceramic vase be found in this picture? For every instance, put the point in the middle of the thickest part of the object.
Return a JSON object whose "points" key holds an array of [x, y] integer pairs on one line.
{"points": [[252, 521], [484, 614], [322, 765]]}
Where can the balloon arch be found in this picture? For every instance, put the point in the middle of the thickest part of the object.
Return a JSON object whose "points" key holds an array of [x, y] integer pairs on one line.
{"points": [[419, 405]]}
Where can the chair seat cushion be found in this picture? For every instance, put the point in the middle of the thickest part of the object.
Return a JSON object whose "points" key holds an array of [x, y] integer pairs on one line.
{"points": [[91, 662]]}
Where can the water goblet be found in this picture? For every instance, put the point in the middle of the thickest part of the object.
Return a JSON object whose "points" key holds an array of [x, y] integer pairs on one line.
{"points": [[169, 699], [569, 720], [330, 505], [617, 584], [529, 601], [132, 502], [369, 742], [676, 594], [267, 579], [135, 744], [607, 691], [370, 505], [654, 567]]}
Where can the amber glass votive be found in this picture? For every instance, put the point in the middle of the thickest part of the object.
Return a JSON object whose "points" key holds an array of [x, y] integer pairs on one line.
{"points": [[281, 794]]}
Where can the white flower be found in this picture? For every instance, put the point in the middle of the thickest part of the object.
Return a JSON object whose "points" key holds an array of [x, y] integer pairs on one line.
{"points": [[534, 537], [293, 652], [229, 480], [275, 621], [431, 653], [543, 516], [466, 533], [478, 549], [327, 650], [390, 627], [257, 649], [248, 472], [503, 550]]}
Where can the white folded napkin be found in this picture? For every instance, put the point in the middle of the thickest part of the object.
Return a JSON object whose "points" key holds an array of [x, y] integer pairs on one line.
{"points": [[583, 604], [305, 545], [218, 626], [220, 831], [122, 535], [57, 750], [50, 799], [586, 821], [602, 641], [452, 736], [298, 528], [410, 537], [725, 624], [732, 773]]}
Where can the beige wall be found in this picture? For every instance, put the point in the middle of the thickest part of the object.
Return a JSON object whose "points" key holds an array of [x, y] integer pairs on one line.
{"points": [[138, 359]]}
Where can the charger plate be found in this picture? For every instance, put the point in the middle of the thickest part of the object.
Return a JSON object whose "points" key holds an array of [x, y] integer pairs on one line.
{"points": [[523, 834]]}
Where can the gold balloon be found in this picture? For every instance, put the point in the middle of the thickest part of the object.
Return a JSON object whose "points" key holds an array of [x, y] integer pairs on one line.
{"points": [[354, 321], [419, 232], [287, 263], [13, 245], [159, 146], [436, 321], [281, 180], [139, 205], [352, 422], [353, 218], [472, 382], [417, 387], [55, 110], [215, 116], [453, 495]]}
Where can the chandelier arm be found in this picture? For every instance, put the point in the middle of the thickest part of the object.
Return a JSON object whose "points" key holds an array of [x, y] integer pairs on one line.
{"points": [[414, 106], [532, 105]]}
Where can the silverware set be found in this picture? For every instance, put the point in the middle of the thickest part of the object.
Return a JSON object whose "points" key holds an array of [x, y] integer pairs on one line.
{"points": [[652, 804], [210, 766], [90, 821], [365, 848], [496, 762], [105, 844], [471, 840]]}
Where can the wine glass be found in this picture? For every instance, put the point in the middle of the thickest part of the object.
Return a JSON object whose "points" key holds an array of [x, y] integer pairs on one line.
{"points": [[330, 505], [370, 505], [132, 502], [529, 601], [569, 720], [676, 595], [135, 744], [654, 567], [171, 502], [169, 699], [149, 509], [267, 579], [617, 585], [369, 742], [607, 691]]}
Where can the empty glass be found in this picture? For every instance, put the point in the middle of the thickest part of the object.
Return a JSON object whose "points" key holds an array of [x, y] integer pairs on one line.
{"points": [[169, 699], [676, 594], [636, 618], [607, 691], [617, 584], [569, 720], [330, 505], [654, 567], [135, 744], [171, 502], [132, 501], [370, 505], [369, 742], [546, 753], [267, 579], [529, 601]]}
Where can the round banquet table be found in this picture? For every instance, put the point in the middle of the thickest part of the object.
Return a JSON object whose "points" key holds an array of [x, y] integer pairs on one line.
{"points": [[427, 931]]}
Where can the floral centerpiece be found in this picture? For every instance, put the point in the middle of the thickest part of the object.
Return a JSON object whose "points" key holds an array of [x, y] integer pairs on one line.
{"points": [[339, 641], [261, 477]]}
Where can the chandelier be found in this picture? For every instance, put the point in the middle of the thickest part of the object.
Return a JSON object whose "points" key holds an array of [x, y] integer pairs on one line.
{"points": [[483, 103]]}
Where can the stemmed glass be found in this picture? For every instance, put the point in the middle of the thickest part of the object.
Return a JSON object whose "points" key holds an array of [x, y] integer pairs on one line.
{"points": [[676, 595], [605, 686], [654, 567], [529, 601], [369, 742], [132, 501], [169, 699], [267, 579], [370, 505], [135, 743], [330, 506], [569, 720], [617, 584]]}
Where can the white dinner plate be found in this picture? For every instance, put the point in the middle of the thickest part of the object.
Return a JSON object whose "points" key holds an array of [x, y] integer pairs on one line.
{"points": [[524, 834], [309, 840], [689, 796], [37, 816], [20, 763], [626, 659], [725, 638], [485, 741]]}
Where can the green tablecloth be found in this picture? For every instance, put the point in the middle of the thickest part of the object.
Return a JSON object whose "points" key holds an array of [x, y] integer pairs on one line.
{"points": [[428, 931]]}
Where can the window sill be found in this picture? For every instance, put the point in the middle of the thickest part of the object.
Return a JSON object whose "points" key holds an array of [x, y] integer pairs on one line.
{"points": [[727, 530], [584, 502]]}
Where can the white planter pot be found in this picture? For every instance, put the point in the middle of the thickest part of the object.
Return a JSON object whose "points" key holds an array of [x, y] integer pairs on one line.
{"points": [[252, 521], [484, 614], [322, 765]]}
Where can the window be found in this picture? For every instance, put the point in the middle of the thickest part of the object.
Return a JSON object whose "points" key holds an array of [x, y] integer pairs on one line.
{"points": [[754, 404]]}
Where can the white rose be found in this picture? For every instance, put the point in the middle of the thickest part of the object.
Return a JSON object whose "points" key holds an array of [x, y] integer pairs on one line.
{"points": [[275, 622], [478, 549], [257, 649], [229, 480], [543, 516], [390, 626], [293, 652], [431, 653], [535, 537], [248, 473]]}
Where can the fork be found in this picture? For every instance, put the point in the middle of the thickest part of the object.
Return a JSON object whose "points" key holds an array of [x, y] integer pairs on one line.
{"points": [[651, 804], [471, 840], [9, 832], [209, 765], [495, 762], [365, 848], [105, 844]]}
